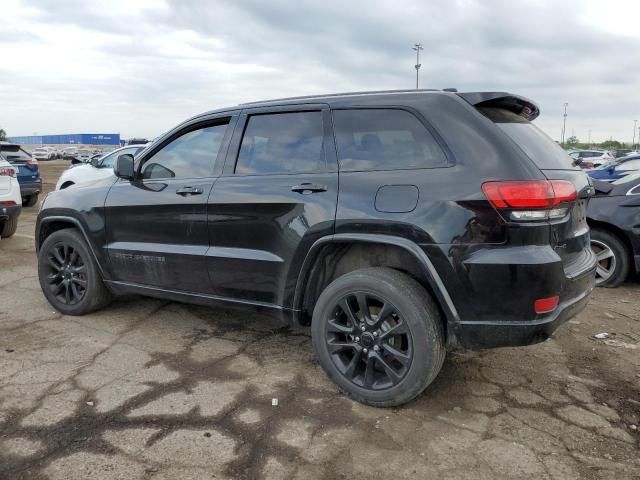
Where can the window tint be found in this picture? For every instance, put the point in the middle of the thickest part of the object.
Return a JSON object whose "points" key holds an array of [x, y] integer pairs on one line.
{"points": [[544, 152], [384, 140], [282, 143], [189, 156], [109, 160]]}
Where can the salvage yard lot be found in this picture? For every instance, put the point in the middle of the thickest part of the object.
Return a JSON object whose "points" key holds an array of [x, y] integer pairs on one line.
{"points": [[160, 390]]}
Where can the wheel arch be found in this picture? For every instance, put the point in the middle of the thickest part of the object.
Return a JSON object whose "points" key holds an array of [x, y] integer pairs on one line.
{"points": [[348, 252], [48, 225]]}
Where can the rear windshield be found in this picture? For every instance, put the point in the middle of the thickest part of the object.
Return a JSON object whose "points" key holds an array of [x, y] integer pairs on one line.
{"points": [[544, 152], [14, 155]]}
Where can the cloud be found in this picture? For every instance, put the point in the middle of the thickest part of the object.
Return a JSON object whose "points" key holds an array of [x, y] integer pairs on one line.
{"points": [[142, 66]]}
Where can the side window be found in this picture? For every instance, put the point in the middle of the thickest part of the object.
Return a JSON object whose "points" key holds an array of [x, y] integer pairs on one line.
{"points": [[384, 139], [282, 143], [188, 156]]}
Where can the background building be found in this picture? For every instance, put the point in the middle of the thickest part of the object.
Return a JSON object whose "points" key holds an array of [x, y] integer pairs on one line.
{"points": [[69, 139]]}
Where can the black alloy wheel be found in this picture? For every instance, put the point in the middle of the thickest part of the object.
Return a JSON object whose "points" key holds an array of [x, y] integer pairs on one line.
{"points": [[66, 274], [368, 341], [378, 335], [69, 275]]}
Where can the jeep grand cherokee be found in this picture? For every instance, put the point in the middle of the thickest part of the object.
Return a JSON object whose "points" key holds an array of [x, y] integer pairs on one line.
{"points": [[397, 225]]}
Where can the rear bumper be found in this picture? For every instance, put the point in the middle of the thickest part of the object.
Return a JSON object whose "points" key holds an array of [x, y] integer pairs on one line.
{"points": [[9, 212], [31, 187], [574, 298]]}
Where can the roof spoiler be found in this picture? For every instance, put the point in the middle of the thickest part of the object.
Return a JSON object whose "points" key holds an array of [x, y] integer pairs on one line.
{"points": [[515, 103]]}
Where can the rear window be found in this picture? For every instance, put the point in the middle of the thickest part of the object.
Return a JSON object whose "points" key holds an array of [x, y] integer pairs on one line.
{"points": [[544, 152], [384, 139], [14, 154]]}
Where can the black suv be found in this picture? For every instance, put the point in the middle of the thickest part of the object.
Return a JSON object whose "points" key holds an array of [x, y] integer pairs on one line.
{"points": [[397, 224]]}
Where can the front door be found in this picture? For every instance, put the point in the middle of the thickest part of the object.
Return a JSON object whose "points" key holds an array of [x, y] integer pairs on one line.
{"points": [[276, 197], [157, 224]]}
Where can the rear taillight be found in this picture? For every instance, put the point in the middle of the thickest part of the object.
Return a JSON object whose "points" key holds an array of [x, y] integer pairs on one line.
{"points": [[32, 161], [530, 200], [7, 172], [8, 203]]}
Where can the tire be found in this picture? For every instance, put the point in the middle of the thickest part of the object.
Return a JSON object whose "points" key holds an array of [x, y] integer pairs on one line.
{"points": [[9, 228], [63, 274], [30, 201], [354, 359], [613, 258]]}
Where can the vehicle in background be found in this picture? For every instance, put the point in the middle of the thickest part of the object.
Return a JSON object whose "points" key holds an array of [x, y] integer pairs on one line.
{"points": [[44, 153], [10, 199], [368, 216], [614, 218], [588, 159], [28, 173], [616, 169], [622, 152], [83, 155], [69, 153], [99, 166]]}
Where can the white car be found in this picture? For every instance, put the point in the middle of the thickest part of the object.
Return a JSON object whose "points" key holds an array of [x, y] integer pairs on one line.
{"points": [[10, 199], [96, 170], [44, 153], [588, 159]]}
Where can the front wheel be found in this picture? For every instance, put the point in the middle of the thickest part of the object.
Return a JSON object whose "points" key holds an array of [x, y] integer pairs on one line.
{"points": [[612, 258], [378, 335], [69, 275]]}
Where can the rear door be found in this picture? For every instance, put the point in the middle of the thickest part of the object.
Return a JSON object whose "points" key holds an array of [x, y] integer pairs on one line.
{"points": [[157, 224], [570, 235], [277, 196]]}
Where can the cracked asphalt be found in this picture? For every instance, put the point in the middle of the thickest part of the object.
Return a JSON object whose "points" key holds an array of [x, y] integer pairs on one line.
{"points": [[159, 390]]}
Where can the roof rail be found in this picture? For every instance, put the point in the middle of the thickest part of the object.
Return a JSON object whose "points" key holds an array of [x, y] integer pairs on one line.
{"points": [[374, 92]]}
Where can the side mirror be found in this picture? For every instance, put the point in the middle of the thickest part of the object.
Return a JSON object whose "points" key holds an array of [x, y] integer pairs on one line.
{"points": [[125, 167], [611, 168], [95, 161]]}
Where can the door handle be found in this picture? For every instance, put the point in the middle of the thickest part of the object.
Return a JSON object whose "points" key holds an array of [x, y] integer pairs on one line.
{"points": [[184, 191], [308, 188]]}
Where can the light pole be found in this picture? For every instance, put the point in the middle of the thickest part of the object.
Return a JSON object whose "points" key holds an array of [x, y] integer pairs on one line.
{"points": [[417, 47], [564, 122], [635, 124]]}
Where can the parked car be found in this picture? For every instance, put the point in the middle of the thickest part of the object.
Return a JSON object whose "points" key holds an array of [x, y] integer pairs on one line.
{"points": [[622, 152], [28, 173], [10, 199], [588, 159], [369, 216], [44, 153], [99, 166], [614, 218], [618, 169], [83, 155], [69, 153]]}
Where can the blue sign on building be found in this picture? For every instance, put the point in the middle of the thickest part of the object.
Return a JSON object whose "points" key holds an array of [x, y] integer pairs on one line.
{"points": [[69, 139]]}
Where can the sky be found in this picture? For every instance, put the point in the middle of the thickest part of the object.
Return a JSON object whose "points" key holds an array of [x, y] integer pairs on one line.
{"points": [[139, 67]]}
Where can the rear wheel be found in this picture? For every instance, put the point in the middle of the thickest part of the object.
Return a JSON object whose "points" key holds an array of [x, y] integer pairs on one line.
{"points": [[69, 276], [30, 201], [612, 258], [378, 335], [9, 228]]}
